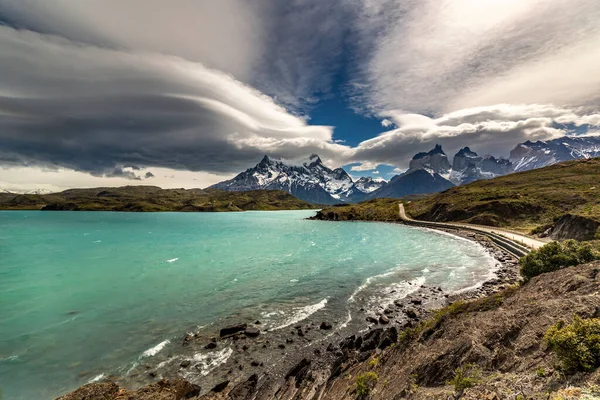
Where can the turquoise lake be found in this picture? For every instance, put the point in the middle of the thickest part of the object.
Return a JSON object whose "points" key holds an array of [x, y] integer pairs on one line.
{"points": [[88, 294]]}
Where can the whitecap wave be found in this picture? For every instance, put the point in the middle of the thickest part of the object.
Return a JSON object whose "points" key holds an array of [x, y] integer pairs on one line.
{"points": [[207, 362], [156, 349], [96, 378], [172, 260], [396, 291], [370, 280], [302, 314], [348, 320]]}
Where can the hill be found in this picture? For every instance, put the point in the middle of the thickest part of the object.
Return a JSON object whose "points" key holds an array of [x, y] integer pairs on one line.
{"points": [[152, 198], [562, 200]]}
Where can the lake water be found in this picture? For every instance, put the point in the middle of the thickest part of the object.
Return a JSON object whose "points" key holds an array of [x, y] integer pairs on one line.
{"points": [[88, 294]]}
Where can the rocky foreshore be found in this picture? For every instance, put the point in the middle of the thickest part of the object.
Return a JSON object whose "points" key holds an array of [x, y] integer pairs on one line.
{"points": [[261, 362]]}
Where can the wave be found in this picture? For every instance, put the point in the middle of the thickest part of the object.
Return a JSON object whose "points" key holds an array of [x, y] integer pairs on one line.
{"points": [[302, 314], [207, 362], [97, 378], [348, 320], [172, 260], [156, 349], [397, 291], [370, 280]]}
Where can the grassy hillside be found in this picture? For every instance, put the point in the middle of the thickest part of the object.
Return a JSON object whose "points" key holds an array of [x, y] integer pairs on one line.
{"points": [[563, 197], [152, 198], [527, 201]]}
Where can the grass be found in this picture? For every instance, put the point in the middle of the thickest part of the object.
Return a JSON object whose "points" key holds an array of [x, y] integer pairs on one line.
{"points": [[365, 383], [426, 328], [464, 378], [152, 198]]}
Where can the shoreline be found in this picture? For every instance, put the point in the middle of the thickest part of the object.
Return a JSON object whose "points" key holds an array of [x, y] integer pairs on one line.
{"points": [[273, 354]]}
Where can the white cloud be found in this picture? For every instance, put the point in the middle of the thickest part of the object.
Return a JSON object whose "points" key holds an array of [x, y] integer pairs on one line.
{"points": [[436, 56], [364, 166], [386, 123]]}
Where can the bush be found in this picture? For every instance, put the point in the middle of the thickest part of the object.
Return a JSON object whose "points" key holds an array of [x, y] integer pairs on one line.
{"points": [[555, 256], [577, 345], [365, 383], [464, 379]]}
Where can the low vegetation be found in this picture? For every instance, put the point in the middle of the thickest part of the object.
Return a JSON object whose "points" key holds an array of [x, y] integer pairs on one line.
{"points": [[464, 378], [372, 210], [555, 256], [365, 383], [152, 198], [577, 344]]}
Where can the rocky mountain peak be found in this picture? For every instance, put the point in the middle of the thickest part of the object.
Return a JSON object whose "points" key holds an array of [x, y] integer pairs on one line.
{"points": [[434, 161]]}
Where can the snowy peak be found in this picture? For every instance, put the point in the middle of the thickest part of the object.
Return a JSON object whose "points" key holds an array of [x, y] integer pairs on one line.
{"points": [[366, 184], [308, 179], [434, 161], [468, 167], [532, 155]]}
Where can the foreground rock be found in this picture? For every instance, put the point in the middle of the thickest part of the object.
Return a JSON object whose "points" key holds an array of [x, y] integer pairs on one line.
{"points": [[163, 390]]}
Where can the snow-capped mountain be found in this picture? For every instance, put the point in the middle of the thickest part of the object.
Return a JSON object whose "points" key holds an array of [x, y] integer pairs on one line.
{"points": [[309, 180], [468, 167], [532, 155], [427, 173], [366, 184], [435, 161]]}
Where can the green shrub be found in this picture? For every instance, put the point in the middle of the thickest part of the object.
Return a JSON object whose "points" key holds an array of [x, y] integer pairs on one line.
{"points": [[374, 362], [365, 383], [577, 344], [555, 256], [464, 379]]}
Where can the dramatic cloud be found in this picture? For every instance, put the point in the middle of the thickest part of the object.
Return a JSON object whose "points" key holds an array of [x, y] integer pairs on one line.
{"points": [[208, 88], [435, 56], [94, 109]]}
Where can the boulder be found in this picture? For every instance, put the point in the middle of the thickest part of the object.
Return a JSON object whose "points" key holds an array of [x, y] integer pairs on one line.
{"points": [[325, 325], [384, 320], [232, 330], [252, 331], [389, 337]]}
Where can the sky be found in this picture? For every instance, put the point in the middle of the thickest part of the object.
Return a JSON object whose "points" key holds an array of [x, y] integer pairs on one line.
{"points": [[187, 93]]}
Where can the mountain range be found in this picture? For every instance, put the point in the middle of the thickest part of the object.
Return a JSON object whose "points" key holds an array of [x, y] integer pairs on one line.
{"points": [[428, 172]]}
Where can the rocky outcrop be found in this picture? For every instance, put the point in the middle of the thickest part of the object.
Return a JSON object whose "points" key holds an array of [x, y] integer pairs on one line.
{"points": [[468, 167], [575, 227], [177, 389], [60, 207], [435, 161]]}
